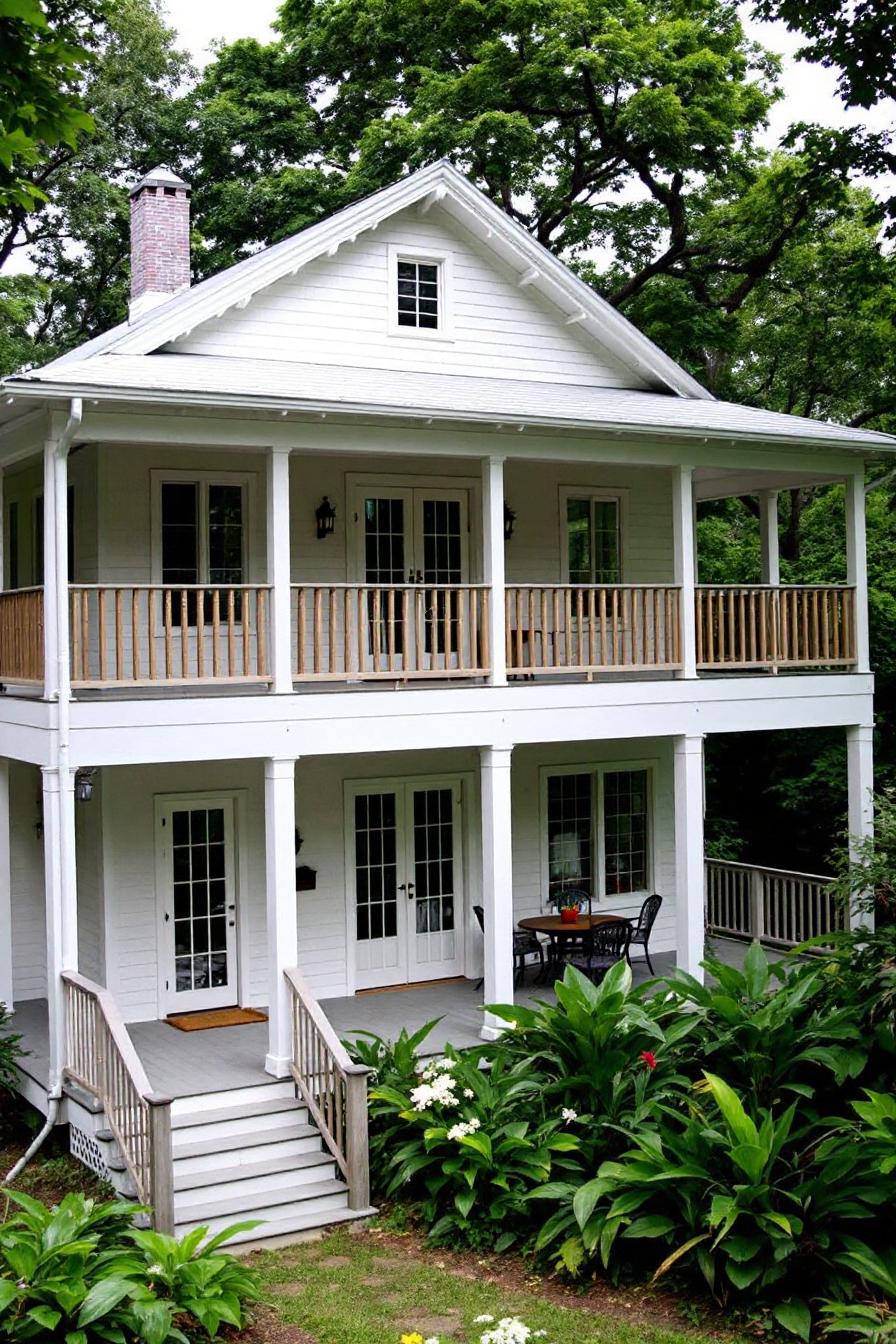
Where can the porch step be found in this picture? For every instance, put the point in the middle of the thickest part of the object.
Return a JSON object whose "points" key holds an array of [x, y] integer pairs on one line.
{"points": [[289, 1223], [209, 1126], [265, 1205], [297, 1137], [237, 1111], [252, 1178], [273, 1090]]}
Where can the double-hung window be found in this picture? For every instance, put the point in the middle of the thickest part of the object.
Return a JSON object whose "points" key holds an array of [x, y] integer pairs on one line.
{"points": [[598, 830], [591, 538], [202, 537]]}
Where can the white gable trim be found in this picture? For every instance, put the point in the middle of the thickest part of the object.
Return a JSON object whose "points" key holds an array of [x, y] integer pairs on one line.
{"points": [[441, 185]]}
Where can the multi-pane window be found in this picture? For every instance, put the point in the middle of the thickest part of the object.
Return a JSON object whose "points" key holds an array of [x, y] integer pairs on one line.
{"points": [[570, 826], [625, 831], [418, 294], [598, 831], [592, 539], [202, 536], [200, 898], [434, 859], [376, 870]]}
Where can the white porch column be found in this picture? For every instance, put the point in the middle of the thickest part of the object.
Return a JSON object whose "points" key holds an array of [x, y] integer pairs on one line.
{"points": [[280, 869], [52, 466], [279, 568], [860, 800], [685, 563], [768, 537], [493, 564], [497, 881], [689, 880], [857, 564], [5, 891], [60, 886]]}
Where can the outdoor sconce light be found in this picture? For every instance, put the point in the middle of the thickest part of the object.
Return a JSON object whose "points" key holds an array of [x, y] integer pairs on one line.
{"points": [[509, 520], [84, 785], [326, 518]]}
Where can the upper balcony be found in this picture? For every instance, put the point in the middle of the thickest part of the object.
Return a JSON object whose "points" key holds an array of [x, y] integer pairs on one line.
{"points": [[226, 573]]}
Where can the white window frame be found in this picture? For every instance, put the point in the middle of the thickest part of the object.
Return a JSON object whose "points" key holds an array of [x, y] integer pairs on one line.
{"points": [[617, 497], [445, 263], [203, 479], [598, 770]]}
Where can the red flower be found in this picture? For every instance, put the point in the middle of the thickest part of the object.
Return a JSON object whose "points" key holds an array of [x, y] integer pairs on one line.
{"points": [[649, 1058]]}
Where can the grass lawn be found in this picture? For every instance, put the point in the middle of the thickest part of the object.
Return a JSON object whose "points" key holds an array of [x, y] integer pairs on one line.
{"points": [[371, 1286]]}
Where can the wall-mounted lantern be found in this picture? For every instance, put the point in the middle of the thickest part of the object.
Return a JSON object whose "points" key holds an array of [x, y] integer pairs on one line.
{"points": [[509, 520], [326, 518], [84, 785]]}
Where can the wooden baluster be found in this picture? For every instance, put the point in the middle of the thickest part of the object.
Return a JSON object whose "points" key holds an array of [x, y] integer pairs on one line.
{"points": [[732, 646], [362, 630], [301, 630], [119, 637], [101, 618], [231, 633], [475, 656], [518, 660], [459, 596], [216, 632], [835, 624], [742, 626], [377, 628], [446, 628], [579, 653], [318, 657], [533, 631], [184, 635], [700, 599], [602, 609], [246, 622], [135, 638], [200, 632], [592, 627], [816, 637], [347, 642], [168, 625], [509, 594], [804, 625], [547, 643], [825, 628], [390, 627], [261, 631], [332, 633]]}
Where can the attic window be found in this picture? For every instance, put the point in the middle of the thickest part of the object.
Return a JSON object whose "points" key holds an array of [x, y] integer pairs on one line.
{"points": [[418, 294]]}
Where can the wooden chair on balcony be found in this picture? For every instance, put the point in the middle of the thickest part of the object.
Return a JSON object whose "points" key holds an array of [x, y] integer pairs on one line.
{"points": [[525, 944]]}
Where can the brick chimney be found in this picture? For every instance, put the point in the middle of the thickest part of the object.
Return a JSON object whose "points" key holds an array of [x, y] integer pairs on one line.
{"points": [[160, 240]]}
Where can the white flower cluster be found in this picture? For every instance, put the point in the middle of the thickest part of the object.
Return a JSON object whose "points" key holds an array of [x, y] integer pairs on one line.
{"points": [[437, 1088], [568, 1115], [463, 1128], [509, 1330]]}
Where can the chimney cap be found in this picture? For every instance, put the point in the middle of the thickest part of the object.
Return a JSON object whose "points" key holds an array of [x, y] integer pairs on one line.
{"points": [[159, 177]]}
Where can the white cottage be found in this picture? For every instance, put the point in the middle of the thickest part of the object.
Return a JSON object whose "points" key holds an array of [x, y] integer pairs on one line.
{"points": [[343, 593]]}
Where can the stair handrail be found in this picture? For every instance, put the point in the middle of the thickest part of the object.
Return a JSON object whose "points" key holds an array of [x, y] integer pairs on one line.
{"points": [[100, 1058], [332, 1086]]}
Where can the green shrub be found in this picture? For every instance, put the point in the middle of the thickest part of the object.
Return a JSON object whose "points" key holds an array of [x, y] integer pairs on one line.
{"points": [[468, 1153], [81, 1273], [10, 1051]]}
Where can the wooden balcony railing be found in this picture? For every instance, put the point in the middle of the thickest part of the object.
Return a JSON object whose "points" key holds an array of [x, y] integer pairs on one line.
{"points": [[804, 625], [100, 1057], [592, 628], [22, 635], [771, 904], [153, 634], [396, 632]]}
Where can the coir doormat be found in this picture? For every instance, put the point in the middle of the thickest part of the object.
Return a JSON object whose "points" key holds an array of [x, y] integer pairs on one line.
{"points": [[215, 1017]]}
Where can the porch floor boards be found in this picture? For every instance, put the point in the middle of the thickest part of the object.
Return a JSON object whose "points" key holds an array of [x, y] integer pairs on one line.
{"points": [[185, 1064]]}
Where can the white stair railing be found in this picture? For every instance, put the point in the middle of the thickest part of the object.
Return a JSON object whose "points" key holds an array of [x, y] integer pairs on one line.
{"points": [[772, 905], [101, 1059], [332, 1087]]}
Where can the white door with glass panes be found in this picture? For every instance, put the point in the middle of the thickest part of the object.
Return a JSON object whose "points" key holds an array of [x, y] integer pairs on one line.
{"points": [[406, 881], [415, 537], [197, 903], [598, 833]]}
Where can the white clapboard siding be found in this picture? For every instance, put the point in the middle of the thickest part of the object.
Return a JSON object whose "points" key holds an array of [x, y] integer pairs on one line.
{"points": [[29, 928], [336, 310]]}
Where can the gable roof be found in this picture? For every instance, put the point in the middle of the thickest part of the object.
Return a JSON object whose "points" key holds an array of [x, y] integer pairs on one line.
{"points": [[440, 184]]}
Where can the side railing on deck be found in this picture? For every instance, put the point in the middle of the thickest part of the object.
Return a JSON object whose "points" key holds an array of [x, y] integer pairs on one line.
{"points": [[157, 634], [801, 625], [396, 632], [22, 635], [769, 904], [101, 1059], [592, 628], [332, 1087]]}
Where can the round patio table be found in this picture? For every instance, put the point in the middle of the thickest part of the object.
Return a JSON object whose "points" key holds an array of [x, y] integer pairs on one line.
{"points": [[558, 931]]}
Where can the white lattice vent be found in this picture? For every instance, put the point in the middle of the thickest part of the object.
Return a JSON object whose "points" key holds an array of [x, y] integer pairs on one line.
{"points": [[85, 1148]]}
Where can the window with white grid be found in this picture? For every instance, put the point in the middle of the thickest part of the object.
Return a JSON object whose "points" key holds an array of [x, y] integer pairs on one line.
{"points": [[625, 831], [598, 830], [418, 294]]}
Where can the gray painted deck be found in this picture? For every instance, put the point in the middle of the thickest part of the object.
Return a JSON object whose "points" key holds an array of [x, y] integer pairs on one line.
{"points": [[183, 1064]]}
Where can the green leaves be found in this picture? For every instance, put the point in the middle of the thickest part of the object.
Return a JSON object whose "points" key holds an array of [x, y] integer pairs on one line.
{"points": [[794, 1316]]}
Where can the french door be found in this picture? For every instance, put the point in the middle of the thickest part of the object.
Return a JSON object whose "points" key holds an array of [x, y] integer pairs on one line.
{"points": [[418, 536], [197, 904], [406, 881]]}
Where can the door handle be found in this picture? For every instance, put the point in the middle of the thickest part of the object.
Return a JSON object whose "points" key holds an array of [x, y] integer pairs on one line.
{"points": [[409, 888]]}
